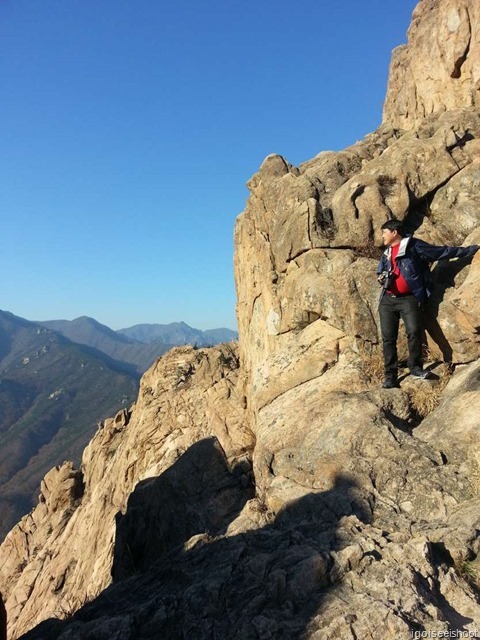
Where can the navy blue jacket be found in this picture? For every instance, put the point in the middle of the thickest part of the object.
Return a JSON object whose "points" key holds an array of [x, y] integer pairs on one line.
{"points": [[414, 258]]}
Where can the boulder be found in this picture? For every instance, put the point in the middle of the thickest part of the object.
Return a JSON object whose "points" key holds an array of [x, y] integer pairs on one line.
{"points": [[454, 427]]}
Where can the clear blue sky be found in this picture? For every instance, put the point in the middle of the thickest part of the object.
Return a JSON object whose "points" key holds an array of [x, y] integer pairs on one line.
{"points": [[129, 128]]}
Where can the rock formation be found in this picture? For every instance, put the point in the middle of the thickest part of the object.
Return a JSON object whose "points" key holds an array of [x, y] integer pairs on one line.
{"points": [[439, 69], [61, 554], [52, 395], [363, 518]]}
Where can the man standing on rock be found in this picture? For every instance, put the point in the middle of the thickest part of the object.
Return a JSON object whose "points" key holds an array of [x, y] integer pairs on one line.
{"points": [[403, 271]]}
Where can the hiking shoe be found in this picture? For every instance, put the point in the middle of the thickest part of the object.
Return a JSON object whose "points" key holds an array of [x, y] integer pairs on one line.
{"points": [[416, 372], [390, 383]]}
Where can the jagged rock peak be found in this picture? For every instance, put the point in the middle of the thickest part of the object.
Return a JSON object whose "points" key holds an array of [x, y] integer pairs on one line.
{"points": [[439, 68], [60, 555]]}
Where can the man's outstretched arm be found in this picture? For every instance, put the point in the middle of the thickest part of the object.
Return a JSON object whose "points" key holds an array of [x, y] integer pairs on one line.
{"points": [[432, 253]]}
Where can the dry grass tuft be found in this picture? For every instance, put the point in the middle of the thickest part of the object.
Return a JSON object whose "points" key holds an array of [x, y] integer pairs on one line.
{"points": [[369, 250], [425, 396], [371, 363], [469, 570]]}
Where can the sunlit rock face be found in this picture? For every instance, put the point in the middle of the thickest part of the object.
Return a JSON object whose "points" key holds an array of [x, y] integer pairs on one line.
{"points": [[307, 247], [439, 69]]}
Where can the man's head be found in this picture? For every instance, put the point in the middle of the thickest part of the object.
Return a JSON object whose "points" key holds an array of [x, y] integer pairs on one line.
{"points": [[392, 232]]}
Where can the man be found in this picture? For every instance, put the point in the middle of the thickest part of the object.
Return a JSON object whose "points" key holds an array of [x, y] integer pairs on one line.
{"points": [[403, 271]]}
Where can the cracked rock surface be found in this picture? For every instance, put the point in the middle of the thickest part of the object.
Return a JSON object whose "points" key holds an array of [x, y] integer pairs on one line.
{"points": [[439, 68]]}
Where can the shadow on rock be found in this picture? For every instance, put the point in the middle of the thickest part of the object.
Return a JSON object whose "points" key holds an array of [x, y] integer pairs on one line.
{"points": [[198, 494], [443, 278], [267, 582]]}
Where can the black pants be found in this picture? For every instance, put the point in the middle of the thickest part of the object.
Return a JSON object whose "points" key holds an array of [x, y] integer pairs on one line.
{"points": [[391, 311]]}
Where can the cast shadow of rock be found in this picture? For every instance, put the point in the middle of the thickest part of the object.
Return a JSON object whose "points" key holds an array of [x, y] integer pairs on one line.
{"points": [[197, 494], [443, 278], [266, 582]]}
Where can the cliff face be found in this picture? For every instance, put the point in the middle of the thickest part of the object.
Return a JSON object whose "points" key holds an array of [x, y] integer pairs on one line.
{"points": [[363, 518], [439, 69], [60, 555], [305, 267]]}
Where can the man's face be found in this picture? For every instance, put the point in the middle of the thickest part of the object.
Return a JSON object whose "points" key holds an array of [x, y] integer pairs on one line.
{"points": [[389, 237]]}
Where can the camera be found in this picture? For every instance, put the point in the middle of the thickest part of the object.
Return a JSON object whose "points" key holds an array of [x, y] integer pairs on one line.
{"points": [[385, 279]]}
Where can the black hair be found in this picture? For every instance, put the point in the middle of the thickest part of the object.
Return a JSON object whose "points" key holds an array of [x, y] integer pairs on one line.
{"points": [[394, 225]]}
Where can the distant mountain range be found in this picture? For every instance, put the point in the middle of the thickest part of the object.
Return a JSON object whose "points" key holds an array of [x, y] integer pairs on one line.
{"points": [[135, 356], [58, 379], [140, 345], [178, 333]]}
